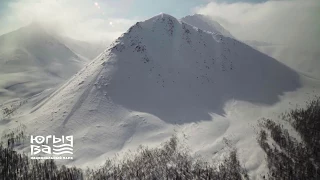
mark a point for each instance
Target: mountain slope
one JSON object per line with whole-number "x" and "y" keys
{"x": 88, "y": 50}
{"x": 302, "y": 59}
{"x": 160, "y": 76}
{"x": 207, "y": 24}
{"x": 32, "y": 60}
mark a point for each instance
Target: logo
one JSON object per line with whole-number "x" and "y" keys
{"x": 51, "y": 147}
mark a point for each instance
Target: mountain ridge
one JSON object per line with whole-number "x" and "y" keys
{"x": 33, "y": 60}
{"x": 207, "y": 24}
{"x": 162, "y": 75}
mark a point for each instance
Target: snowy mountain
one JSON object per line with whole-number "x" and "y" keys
{"x": 87, "y": 50}
{"x": 32, "y": 60}
{"x": 164, "y": 76}
{"x": 301, "y": 59}
{"x": 207, "y": 24}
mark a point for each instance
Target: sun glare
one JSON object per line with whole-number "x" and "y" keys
{"x": 97, "y": 5}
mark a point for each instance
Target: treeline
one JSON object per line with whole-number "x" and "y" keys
{"x": 166, "y": 162}
{"x": 287, "y": 158}
{"x": 169, "y": 162}
{"x": 17, "y": 166}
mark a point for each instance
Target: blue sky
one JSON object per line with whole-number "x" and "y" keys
{"x": 178, "y": 8}
{"x": 3, "y": 7}
{"x": 265, "y": 20}
{"x": 114, "y": 15}
{"x": 292, "y": 22}
{"x": 141, "y": 8}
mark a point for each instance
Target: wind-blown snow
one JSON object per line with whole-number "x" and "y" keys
{"x": 87, "y": 50}
{"x": 207, "y": 24}
{"x": 164, "y": 76}
{"x": 301, "y": 59}
{"x": 32, "y": 60}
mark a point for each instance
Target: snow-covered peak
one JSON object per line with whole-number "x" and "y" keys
{"x": 32, "y": 60}
{"x": 159, "y": 20}
{"x": 165, "y": 15}
{"x": 166, "y": 24}
{"x": 35, "y": 25}
{"x": 207, "y": 24}
{"x": 161, "y": 16}
{"x": 161, "y": 73}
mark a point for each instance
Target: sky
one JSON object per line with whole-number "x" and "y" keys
{"x": 275, "y": 21}
{"x": 93, "y": 19}
{"x": 292, "y": 24}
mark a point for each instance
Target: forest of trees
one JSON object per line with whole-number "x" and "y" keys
{"x": 166, "y": 162}
{"x": 287, "y": 158}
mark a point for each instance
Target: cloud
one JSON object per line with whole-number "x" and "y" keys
{"x": 84, "y": 20}
{"x": 293, "y": 24}
{"x": 276, "y": 21}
